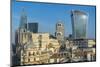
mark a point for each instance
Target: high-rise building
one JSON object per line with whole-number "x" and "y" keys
{"x": 23, "y": 21}
{"x": 59, "y": 31}
{"x": 32, "y": 27}
{"x": 22, "y": 27}
{"x": 79, "y": 24}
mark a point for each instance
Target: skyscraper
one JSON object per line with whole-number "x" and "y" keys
{"x": 59, "y": 30}
{"x": 23, "y": 21}
{"x": 32, "y": 27}
{"x": 79, "y": 24}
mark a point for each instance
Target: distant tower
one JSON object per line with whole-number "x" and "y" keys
{"x": 59, "y": 31}
{"x": 23, "y": 21}
{"x": 22, "y": 28}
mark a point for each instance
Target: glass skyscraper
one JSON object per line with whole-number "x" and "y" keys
{"x": 23, "y": 20}
{"x": 79, "y": 24}
{"x": 32, "y": 27}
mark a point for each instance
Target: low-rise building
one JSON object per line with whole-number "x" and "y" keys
{"x": 36, "y": 48}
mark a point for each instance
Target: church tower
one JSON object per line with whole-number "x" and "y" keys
{"x": 59, "y": 31}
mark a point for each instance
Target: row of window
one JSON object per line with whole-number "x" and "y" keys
{"x": 33, "y": 53}
{"x": 35, "y": 59}
{"x": 59, "y": 24}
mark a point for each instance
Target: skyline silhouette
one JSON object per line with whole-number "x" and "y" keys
{"x": 47, "y": 15}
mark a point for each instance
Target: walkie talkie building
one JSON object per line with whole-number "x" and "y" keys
{"x": 79, "y": 24}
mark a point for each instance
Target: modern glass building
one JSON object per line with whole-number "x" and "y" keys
{"x": 32, "y": 27}
{"x": 79, "y": 24}
{"x": 23, "y": 19}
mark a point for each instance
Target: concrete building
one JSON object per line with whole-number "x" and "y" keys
{"x": 54, "y": 46}
{"x": 35, "y": 48}
{"x": 91, "y": 43}
{"x": 32, "y": 55}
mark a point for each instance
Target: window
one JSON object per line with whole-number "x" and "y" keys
{"x": 37, "y": 53}
{"x": 33, "y": 53}
{"x": 34, "y": 59}
{"x": 59, "y": 24}
{"x": 29, "y": 54}
{"x": 28, "y": 60}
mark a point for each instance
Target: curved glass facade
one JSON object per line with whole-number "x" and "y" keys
{"x": 79, "y": 24}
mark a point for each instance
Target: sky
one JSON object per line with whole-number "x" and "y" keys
{"x": 47, "y": 15}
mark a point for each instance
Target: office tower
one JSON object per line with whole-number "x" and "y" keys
{"x": 79, "y": 24}
{"x": 23, "y": 21}
{"x": 59, "y": 31}
{"x": 32, "y": 27}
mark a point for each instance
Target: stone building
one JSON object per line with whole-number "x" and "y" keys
{"x": 59, "y": 30}
{"x": 35, "y": 48}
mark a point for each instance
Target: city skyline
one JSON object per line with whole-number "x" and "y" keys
{"x": 51, "y": 33}
{"x": 51, "y": 13}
